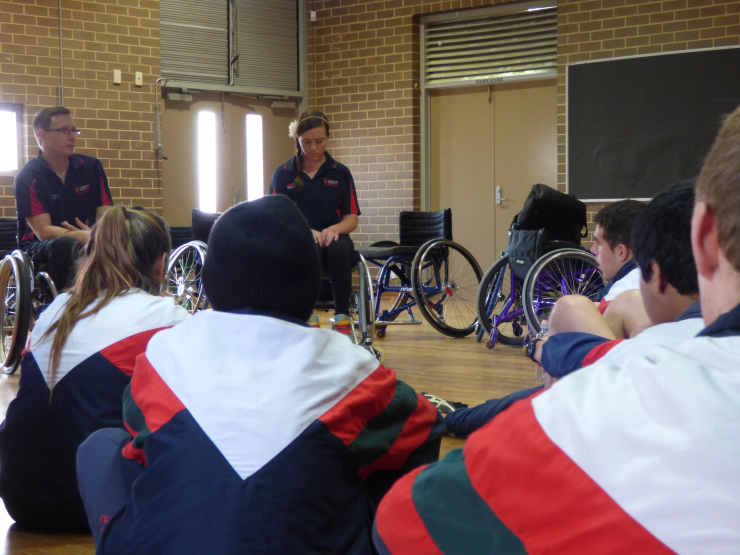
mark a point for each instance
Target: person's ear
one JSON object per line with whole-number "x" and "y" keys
{"x": 623, "y": 253}
{"x": 658, "y": 277}
{"x": 705, "y": 240}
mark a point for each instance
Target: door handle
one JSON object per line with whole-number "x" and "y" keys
{"x": 499, "y": 198}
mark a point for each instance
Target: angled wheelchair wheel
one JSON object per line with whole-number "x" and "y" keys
{"x": 362, "y": 305}
{"x": 445, "y": 279}
{"x": 499, "y": 305}
{"x": 15, "y": 293}
{"x": 183, "y": 278}
{"x": 556, "y": 274}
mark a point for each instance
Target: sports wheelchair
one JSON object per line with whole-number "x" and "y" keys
{"x": 184, "y": 272}
{"x": 427, "y": 268}
{"x": 24, "y": 290}
{"x": 544, "y": 261}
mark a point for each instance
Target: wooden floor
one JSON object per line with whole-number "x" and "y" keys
{"x": 454, "y": 369}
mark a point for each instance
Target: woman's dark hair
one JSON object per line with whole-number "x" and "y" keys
{"x": 307, "y": 120}
{"x": 662, "y": 233}
{"x": 123, "y": 249}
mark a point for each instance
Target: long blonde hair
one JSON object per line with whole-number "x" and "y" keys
{"x": 123, "y": 249}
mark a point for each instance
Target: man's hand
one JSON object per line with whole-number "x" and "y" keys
{"x": 80, "y": 233}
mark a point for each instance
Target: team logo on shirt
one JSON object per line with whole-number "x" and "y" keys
{"x": 82, "y": 189}
{"x": 331, "y": 183}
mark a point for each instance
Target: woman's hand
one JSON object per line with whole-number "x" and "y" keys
{"x": 316, "y": 236}
{"x": 327, "y": 236}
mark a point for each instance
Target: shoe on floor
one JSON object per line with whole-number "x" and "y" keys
{"x": 444, "y": 407}
{"x": 313, "y": 321}
{"x": 342, "y": 324}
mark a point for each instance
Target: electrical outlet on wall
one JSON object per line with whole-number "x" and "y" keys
{"x": 138, "y": 79}
{"x": 117, "y": 76}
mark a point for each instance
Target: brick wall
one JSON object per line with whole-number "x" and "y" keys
{"x": 597, "y": 29}
{"x": 116, "y": 120}
{"x": 364, "y": 64}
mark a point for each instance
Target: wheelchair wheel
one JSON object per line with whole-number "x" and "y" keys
{"x": 183, "y": 279}
{"x": 500, "y": 299}
{"x": 559, "y": 273}
{"x": 362, "y": 306}
{"x": 445, "y": 279}
{"x": 16, "y": 310}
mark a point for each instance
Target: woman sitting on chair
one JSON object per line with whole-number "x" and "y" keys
{"x": 81, "y": 358}
{"x": 325, "y": 193}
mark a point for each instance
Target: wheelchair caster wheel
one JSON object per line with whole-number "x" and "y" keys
{"x": 380, "y": 334}
{"x": 378, "y": 353}
{"x": 489, "y": 345}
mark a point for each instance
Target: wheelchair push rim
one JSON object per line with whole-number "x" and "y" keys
{"x": 16, "y": 310}
{"x": 499, "y": 305}
{"x": 445, "y": 279}
{"x": 559, "y": 273}
{"x": 183, "y": 278}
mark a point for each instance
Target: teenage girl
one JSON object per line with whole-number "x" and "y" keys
{"x": 325, "y": 193}
{"x": 82, "y": 355}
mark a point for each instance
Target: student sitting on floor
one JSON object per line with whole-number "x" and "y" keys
{"x": 662, "y": 250}
{"x": 254, "y": 433}
{"x": 640, "y": 457}
{"x": 82, "y": 356}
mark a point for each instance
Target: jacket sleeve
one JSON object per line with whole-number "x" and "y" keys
{"x": 30, "y": 197}
{"x": 349, "y": 203}
{"x": 387, "y": 427}
{"x": 566, "y": 352}
{"x": 106, "y": 199}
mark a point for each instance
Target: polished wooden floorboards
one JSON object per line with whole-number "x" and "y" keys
{"x": 454, "y": 369}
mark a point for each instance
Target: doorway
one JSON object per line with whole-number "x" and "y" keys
{"x": 180, "y": 184}
{"x": 482, "y": 139}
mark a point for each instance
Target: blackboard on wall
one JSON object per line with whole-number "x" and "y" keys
{"x": 636, "y": 125}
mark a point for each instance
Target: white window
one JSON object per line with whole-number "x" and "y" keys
{"x": 207, "y": 161}
{"x": 255, "y": 174}
{"x": 11, "y": 158}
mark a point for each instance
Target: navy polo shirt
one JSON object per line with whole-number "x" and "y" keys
{"x": 325, "y": 199}
{"x": 38, "y": 190}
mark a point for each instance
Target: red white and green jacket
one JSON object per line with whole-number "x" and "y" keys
{"x": 639, "y": 458}
{"x": 264, "y": 436}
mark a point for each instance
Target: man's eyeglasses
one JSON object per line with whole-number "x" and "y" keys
{"x": 66, "y": 130}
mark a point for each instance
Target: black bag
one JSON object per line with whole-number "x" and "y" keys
{"x": 563, "y": 215}
{"x": 525, "y": 248}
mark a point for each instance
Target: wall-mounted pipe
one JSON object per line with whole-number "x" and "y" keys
{"x": 157, "y": 120}
{"x": 61, "y": 59}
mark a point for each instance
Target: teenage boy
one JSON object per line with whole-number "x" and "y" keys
{"x": 639, "y": 457}
{"x": 252, "y": 432}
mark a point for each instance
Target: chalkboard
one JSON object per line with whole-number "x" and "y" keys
{"x": 638, "y": 124}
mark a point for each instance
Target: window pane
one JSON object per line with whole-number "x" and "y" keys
{"x": 8, "y": 142}
{"x": 255, "y": 175}
{"x": 207, "y": 161}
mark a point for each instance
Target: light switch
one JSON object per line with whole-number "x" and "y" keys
{"x": 139, "y": 79}
{"x": 117, "y": 76}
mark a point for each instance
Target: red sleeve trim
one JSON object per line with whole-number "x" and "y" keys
{"x": 602, "y": 306}
{"x": 372, "y": 396}
{"x": 353, "y": 205}
{"x": 414, "y": 433}
{"x": 398, "y": 522}
{"x": 106, "y": 199}
{"x": 36, "y": 207}
{"x": 123, "y": 353}
{"x": 155, "y": 399}
{"x": 599, "y": 351}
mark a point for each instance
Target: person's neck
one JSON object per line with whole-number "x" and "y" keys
{"x": 679, "y": 303}
{"x": 57, "y": 163}
{"x": 311, "y": 168}
{"x": 720, "y": 293}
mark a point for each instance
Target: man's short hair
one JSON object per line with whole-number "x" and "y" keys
{"x": 719, "y": 186}
{"x": 662, "y": 232}
{"x": 617, "y": 219}
{"x": 42, "y": 120}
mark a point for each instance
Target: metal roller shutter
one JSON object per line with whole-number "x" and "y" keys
{"x": 463, "y": 52}
{"x": 267, "y": 44}
{"x": 194, "y": 40}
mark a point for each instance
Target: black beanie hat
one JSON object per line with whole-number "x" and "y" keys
{"x": 262, "y": 255}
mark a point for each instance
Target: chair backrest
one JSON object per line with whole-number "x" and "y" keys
{"x": 202, "y": 224}
{"x": 416, "y": 228}
{"x": 180, "y": 235}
